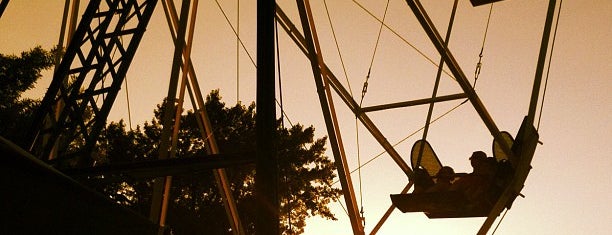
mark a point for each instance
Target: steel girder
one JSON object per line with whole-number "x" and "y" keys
{"x": 3, "y": 5}
{"x": 89, "y": 77}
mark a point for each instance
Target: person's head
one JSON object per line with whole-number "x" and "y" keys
{"x": 478, "y": 158}
{"x": 446, "y": 174}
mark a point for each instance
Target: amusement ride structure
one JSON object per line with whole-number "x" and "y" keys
{"x": 101, "y": 44}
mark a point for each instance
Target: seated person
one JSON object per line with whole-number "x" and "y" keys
{"x": 444, "y": 179}
{"x": 476, "y": 184}
{"x": 422, "y": 180}
{"x": 425, "y": 183}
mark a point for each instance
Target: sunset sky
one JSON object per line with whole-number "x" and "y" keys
{"x": 568, "y": 190}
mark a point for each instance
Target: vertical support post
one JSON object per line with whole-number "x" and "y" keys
{"x": 266, "y": 176}
{"x": 197, "y": 102}
{"x": 74, "y": 14}
{"x": 60, "y": 42}
{"x": 157, "y": 204}
{"x": 535, "y": 93}
{"x": 316, "y": 60}
{"x": 60, "y": 45}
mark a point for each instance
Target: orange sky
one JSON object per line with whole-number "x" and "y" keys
{"x": 568, "y": 189}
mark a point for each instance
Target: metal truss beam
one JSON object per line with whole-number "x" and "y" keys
{"x": 161, "y": 187}
{"x": 165, "y": 167}
{"x": 414, "y": 102}
{"x": 453, "y": 65}
{"x": 89, "y": 77}
{"x": 189, "y": 84}
{"x": 327, "y": 105}
{"x": 334, "y": 83}
{"x": 3, "y": 5}
{"x": 47, "y": 201}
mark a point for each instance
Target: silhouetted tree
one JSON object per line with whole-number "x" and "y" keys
{"x": 196, "y": 205}
{"x": 17, "y": 75}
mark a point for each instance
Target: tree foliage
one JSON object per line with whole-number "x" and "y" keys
{"x": 196, "y": 205}
{"x": 17, "y": 75}
{"x": 306, "y": 173}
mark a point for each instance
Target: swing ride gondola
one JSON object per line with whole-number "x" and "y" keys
{"x": 511, "y": 172}
{"x": 513, "y": 154}
{"x": 512, "y": 159}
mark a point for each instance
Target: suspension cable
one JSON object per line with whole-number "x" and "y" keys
{"x": 552, "y": 47}
{"x": 364, "y": 90}
{"x": 238, "y": 51}
{"x": 484, "y": 39}
{"x": 282, "y": 117}
{"x": 356, "y": 124}
{"x": 338, "y": 48}
{"x": 361, "y": 211}
{"x": 280, "y": 80}
{"x": 247, "y": 52}
{"x": 236, "y": 33}
{"x": 500, "y": 220}
{"x": 341, "y": 205}
{"x": 127, "y": 94}
{"x": 127, "y": 97}
{"x": 431, "y": 61}
{"x": 406, "y": 138}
